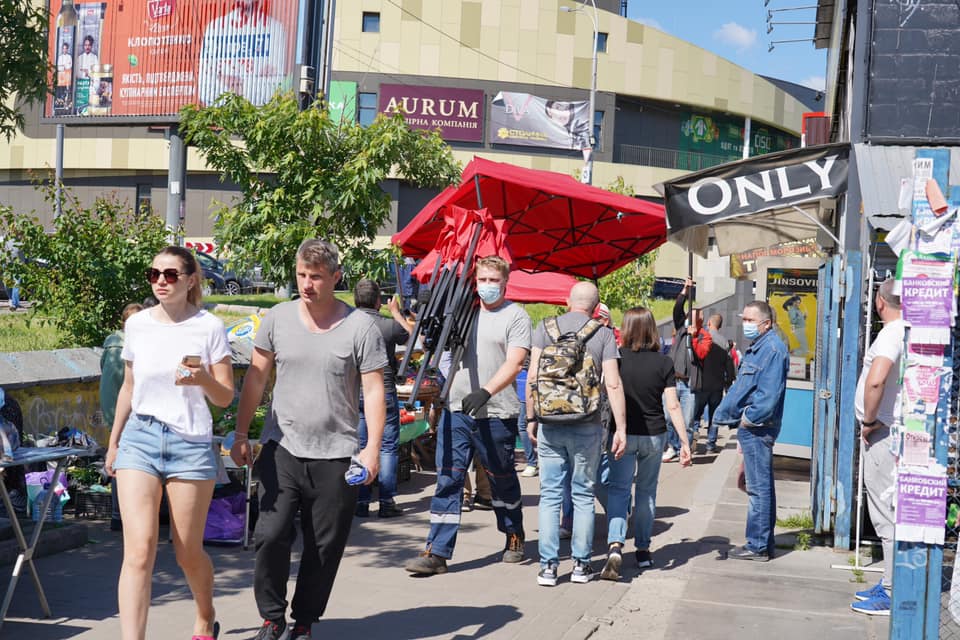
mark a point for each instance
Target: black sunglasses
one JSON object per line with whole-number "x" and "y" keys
{"x": 170, "y": 275}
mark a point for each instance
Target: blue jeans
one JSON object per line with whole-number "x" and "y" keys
{"x": 574, "y": 451}
{"x": 705, "y": 404}
{"x": 529, "y": 449}
{"x": 686, "y": 408}
{"x": 389, "y": 452}
{"x": 639, "y": 468}
{"x": 757, "y": 447}
{"x": 458, "y": 437}
{"x": 15, "y": 295}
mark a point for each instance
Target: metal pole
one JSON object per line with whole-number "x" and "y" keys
{"x": 587, "y": 176}
{"x": 331, "y": 12}
{"x": 746, "y": 137}
{"x": 176, "y": 185}
{"x": 58, "y": 172}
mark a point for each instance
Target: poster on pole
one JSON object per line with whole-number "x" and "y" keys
{"x": 927, "y": 296}
{"x": 921, "y": 504}
{"x": 143, "y": 60}
{"x": 792, "y": 293}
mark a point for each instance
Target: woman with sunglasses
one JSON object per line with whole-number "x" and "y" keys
{"x": 176, "y": 358}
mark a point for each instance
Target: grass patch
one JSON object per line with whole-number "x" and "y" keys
{"x": 802, "y": 520}
{"x": 857, "y": 573}
{"x": 263, "y": 300}
{"x": 24, "y": 331}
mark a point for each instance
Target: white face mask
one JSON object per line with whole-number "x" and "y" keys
{"x": 488, "y": 292}
{"x": 751, "y": 330}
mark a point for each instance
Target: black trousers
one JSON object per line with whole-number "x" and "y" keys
{"x": 316, "y": 489}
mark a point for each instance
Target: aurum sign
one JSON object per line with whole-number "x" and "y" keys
{"x": 758, "y": 184}
{"x": 458, "y": 113}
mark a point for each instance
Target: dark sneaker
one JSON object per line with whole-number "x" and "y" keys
{"x": 611, "y": 569}
{"x": 872, "y": 592}
{"x": 582, "y": 572}
{"x": 483, "y": 504}
{"x": 513, "y": 552}
{"x": 300, "y": 632}
{"x": 389, "y": 510}
{"x": 644, "y": 559}
{"x": 426, "y": 564}
{"x": 879, "y": 605}
{"x": 467, "y": 504}
{"x": 362, "y": 511}
{"x": 712, "y": 448}
{"x": 547, "y": 576}
{"x": 271, "y": 630}
{"x": 743, "y": 553}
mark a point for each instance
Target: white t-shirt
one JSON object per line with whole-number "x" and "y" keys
{"x": 156, "y": 349}
{"x": 888, "y": 344}
{"x": 84, "y": 62}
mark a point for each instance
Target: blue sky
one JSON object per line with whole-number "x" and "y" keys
{"x": 737, "y": 31}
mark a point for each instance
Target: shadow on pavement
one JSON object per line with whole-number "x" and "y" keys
{"x": 423, "y": 622}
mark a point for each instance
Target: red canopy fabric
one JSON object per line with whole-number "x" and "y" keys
{"x": 552, "y": 222}
{"x": 551, "y": 288}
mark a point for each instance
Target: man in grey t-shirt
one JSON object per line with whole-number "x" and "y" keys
{"x": 324, "y": 351}
{"x": 482, "y": 417}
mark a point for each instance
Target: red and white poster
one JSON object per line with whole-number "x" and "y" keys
{"x": 149, "y": 58}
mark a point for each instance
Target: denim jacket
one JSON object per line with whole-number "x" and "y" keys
{"x": 756, "y": 397}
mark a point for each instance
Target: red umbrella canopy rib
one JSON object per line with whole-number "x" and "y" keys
{"x": 552, "y": 222}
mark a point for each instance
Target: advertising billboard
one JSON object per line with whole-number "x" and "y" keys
{"x": 792, "y": 293}
{"x": 145, "y": 59}
{"x": 531, "y": 121}
{"x": 458, "y": 113}
{"x": 342, "y": 102}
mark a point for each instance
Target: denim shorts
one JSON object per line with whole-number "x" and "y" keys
{"x": 151, "y": 446}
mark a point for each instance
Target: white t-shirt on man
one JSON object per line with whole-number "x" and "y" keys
{"x": 156, "y": 349}
{"x": 888, "y": 344}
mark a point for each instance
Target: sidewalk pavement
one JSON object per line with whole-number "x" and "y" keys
{"x": 692, "y": 592}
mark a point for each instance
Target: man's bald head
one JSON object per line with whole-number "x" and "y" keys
{"x": 584, "y": 296}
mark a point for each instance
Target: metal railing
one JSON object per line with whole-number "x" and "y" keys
{"x": 667, "y": 158}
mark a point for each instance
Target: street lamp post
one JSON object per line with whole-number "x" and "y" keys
{"x": 586, "y": 176}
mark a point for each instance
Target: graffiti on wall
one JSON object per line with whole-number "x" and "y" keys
{"x": 49, "y": 408}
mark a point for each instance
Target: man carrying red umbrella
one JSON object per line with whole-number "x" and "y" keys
{"x": 481, "y": 417}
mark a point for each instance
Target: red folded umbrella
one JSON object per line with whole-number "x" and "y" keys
{"x": 551, "y": 222}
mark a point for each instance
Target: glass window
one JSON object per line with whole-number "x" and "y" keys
{"x": 367, "y": 112}
{"x": 601, "y": 42}
{"x": 144, "y": 199}
{"x": 371, "y": 22}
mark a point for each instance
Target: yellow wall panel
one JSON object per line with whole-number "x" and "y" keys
{"x": 665, "y": 72}
{"x": 490, "y": 14}
{"x": 508, "y": 71}
{"x": 430, "y": 59}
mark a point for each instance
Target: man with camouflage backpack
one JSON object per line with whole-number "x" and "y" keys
{"x": 569, "y": 355}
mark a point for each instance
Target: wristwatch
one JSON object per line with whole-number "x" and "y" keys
{"x": 869, "y": 424}
{"x": 529, "y": 420}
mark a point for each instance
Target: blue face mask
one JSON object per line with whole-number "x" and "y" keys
{"x": 489, "y": 293}
{"x": 751, "y": 330}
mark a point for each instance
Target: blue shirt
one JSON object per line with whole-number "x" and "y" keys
{"x": 756, "y": 397}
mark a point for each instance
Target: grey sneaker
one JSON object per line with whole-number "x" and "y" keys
{"x": 426, "y": 564}
{"x": 271, "y": 630}
{"x": 513, "y": 552}
{"x": 611, "y": 569}
{"x": 582, "y": 572}
{"x": 547, "y": 576}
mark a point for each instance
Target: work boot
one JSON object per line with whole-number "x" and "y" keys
{"x": 426, "y": 564}
{"x": 513, "y": 552}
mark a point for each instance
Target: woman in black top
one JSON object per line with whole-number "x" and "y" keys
{"x": 648, "y": 385}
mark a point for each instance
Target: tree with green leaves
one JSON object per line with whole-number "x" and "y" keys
{"x": 82, "y": 274}
{"x": 630, "y": 285}
{"x": 24, "y": 73}
{"x": 301, "y": 175}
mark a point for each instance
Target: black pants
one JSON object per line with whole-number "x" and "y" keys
{"x": 326, "y": 503}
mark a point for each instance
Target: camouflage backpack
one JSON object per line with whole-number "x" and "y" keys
{"x": 567, "y": 389}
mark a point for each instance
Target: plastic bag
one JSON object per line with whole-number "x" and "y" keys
{"x": 36, "y": 481}
{"x": 9, "y": 440}
{"x": 225, "y": 519}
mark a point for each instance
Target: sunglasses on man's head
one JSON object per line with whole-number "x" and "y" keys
{"x": 170, "y": 275}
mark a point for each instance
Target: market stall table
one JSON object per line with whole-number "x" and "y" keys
{"x": 24, "y": 456}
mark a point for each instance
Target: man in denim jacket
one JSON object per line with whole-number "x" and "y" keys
{"x": 755, "y": 404}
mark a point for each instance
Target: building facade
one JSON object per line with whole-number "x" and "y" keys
{"x": 663, "y": 106}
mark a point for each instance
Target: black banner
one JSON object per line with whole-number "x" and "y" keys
{"x": 758, "y": 184}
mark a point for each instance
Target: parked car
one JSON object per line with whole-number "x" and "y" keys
{"x": 220, "y": 278}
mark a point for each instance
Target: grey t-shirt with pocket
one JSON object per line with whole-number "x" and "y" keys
{"x": 315, "y": 408}
{"x": 497, "y": 331}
